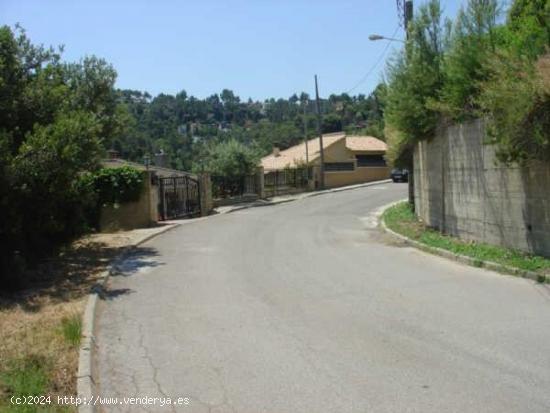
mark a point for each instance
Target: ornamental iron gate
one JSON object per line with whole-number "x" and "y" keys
{"x": 179, "y": 197}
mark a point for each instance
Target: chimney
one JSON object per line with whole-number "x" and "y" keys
{"x": 276, "y": 151}
{"x": 161, "y": 159}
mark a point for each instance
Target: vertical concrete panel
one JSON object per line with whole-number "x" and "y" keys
{"x": 461, "y": 188}
{"x": 260, "y": 186}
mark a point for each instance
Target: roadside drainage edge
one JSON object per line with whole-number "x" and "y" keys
{"x": 85, "y": 382}
{"x": 473, "y": 262}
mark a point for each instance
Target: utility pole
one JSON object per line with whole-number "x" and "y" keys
{"x": 320, "y": 132}
{"x": 305, "y": 131}
{"x": 408, "y": 15}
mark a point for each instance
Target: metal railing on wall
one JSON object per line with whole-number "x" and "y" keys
{"x": 288, "y": 180}
{"x": 233, "y": 186}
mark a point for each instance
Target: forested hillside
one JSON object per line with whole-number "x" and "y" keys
{"x": 187, "y": 128}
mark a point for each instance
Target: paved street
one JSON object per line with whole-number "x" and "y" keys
{"x": 306, "y": 307}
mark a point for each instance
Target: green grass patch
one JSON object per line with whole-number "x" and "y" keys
{"x": 401, "y": 219}
{"x": 71, "y": 328}
{"x": 24, "y": 377}
{"x": 28, "y": 376}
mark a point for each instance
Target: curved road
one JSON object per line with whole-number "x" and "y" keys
{"x": 306, "y": 307}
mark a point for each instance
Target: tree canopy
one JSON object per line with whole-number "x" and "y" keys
{"x": 55, "y": 119}
{"x": 473, "y": 67}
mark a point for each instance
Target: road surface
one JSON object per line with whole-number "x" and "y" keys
{"x": 307, "y": 307}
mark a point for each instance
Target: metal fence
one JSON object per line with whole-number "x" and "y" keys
{"x": 233, "y": 186}
{"x": 179, "y": 196}
{"x": 286, "y": 181}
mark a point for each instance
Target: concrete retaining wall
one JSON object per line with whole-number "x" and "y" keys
{"x": 462, "y": 190}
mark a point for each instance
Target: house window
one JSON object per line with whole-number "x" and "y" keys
{"x": 370, "y": 160}
{"x": 339, "y": 166}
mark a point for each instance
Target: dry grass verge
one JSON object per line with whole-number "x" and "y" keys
{"x": 40, "y": 327}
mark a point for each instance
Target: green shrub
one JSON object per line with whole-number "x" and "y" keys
{"x": 43, "y": 206}
{"x": 113, "y": 186}
{"x": 55, "y": 118}
{"x": 476, "y": 69}
{"x": 470, "y": 45}
{"x": 415, "y": 79}
{"x": 515, "y": 98}
{"x": 109, "y": 186}
{"x": 528, "y": 27}
{"x": 231, "y": 159}
{"x": 516, "y": 101}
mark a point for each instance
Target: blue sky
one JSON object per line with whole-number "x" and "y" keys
{"x": 257, "y": 48}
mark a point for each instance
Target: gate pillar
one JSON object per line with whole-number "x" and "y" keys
{"x": 260, "y": 190}
{"x": 205, "y": 187}
{"x": 152, "y": 193}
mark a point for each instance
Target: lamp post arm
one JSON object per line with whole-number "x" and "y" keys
{"x": 375, "y": 37}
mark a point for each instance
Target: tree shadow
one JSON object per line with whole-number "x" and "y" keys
{"x": 73, "y": 273}
{"x": 136, "y": 261}
{"x": 108, "y": 294}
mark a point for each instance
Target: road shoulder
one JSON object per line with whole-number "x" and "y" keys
{"x": 86, "y": 383}
{"x": 464, "y": 259}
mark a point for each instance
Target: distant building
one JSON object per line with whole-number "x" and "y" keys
{"x": 348, "y": 159}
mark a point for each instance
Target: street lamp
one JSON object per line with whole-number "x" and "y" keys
{"x": 374, "y": 37}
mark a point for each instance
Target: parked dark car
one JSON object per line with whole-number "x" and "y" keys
{"x": 400, "y": 175}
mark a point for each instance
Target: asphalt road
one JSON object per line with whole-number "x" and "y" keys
{"x": 305, "y": 307}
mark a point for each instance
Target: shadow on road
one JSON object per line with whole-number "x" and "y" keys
{"x": 138, "y": 260}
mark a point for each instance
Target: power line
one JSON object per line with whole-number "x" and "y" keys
{"x": 375, "y": 64}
